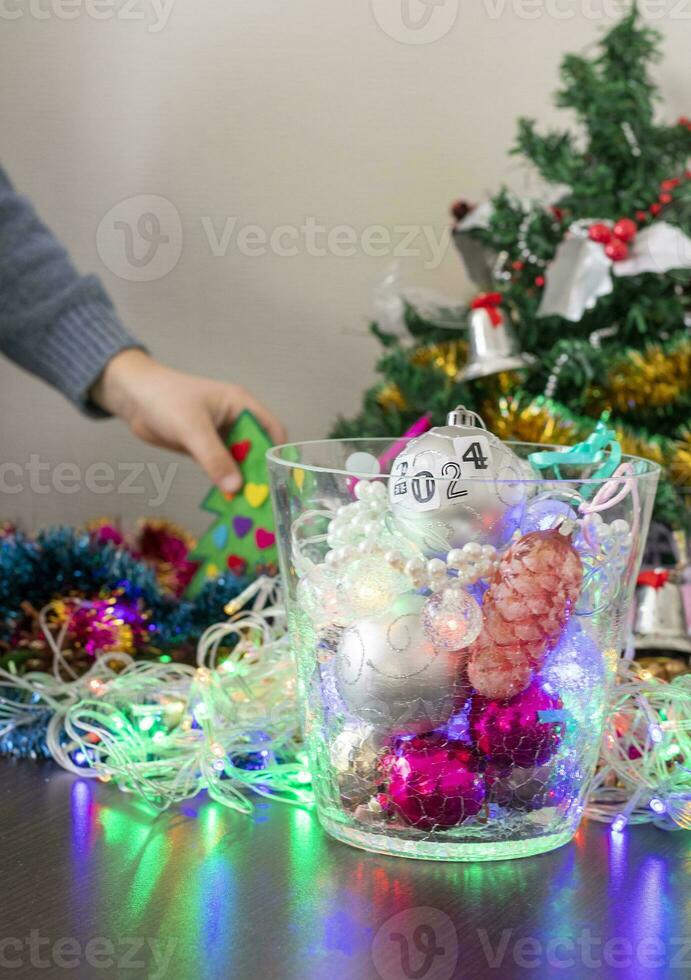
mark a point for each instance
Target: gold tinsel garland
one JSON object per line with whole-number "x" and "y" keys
{"x": 654, "y": 378}
{"x": 447, "y": 356}
{"x": 680, "y": 464}
{"x": 636, "y": 445}
{"x": 538, "y": 420}
{"x": 391, "y": 397}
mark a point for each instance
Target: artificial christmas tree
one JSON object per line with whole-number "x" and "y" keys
{"x": 242, "y": 538}
{"x": 594, "y": 281}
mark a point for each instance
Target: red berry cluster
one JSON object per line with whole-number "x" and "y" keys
{"x": 616, "y": 240}
{"x": 665, "y": 197}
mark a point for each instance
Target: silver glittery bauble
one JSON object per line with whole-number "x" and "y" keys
{"x": 391, "y": 675}
{"x": 354, "y": 757}
{"x": 454, "y": 484}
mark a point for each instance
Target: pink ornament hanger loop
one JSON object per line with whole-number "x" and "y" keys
{"x": 617, "y": 488}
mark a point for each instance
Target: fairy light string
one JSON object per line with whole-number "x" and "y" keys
{"x": 644, "y": 772}
{"x": 167, "y": 731}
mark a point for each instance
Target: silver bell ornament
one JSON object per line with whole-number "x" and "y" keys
{"x": 660, "y": 617}
{"x": 457, "y": 483}
{"x": 391, "y": 675}
{"x": 493, "y": 344}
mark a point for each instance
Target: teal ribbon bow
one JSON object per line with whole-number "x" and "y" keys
{"x": 601, "y": 447}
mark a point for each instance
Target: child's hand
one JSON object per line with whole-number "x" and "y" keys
{"x": 179, "y": 411}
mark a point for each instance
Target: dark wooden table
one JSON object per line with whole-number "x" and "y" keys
{"x": 93, "y": 885}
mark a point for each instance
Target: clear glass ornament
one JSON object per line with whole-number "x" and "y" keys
{"x": 452, "y": 619}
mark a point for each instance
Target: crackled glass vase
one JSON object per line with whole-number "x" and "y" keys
{"x": 456, "y": 606}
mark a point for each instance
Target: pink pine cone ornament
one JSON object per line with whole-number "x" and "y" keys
{"x": 525, "y": 608}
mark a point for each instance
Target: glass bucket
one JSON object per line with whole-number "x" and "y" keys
{"x": 456, "y": 636}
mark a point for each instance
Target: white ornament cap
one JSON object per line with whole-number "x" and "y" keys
{"x": 463, "y": 416}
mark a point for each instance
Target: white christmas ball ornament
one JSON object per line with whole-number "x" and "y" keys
{"x": 455, "y": 483}
{"x": 393, "y": 677}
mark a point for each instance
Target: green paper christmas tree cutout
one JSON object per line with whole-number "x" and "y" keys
{"x": 241, "y": 539}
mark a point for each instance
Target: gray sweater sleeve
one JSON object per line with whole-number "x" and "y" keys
{"x": 53, "y": 322}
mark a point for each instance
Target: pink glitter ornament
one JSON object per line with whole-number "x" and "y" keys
{"x": 103, "y": 533}
{"x": 434, "y": 782}
{"x": 515, "y": 732}
{"x": 101, "y": 625}
{"x": 167, "y": 548}
{"x": 525, "y": 608}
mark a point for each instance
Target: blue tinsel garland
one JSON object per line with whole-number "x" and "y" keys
{"x": 62, "y": 561}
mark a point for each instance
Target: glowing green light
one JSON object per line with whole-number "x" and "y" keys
{"x": 165, "y": 658}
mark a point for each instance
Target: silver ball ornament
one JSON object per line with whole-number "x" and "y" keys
{"x": 392, "y": 676}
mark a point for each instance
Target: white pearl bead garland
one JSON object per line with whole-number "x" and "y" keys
{"x": 356, "y": 527}
{"x": 613, "y": 540}
{"x": 472, "y": 562}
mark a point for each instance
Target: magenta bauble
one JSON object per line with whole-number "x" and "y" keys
{"x": 524, "y": 731}
{"x": 434, "y": 782}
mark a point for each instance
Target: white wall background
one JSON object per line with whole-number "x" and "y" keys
{"x": 270, "y": 112}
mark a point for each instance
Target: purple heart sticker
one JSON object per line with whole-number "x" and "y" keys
{"x": 242, "y": 525}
